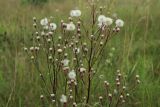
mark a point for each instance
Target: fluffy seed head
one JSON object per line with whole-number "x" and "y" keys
{"x": 75, "y": 13}
{"x": 65, "y": 62}
{"x": 72, "y": 75}
{"x": 53, "y": 26}
{"x": 70, "y": 26}
{"x": 119, "y": 23}
{"x": 101, "y": 19}
{"x": 44, "y": 22}
{"x": 63, "y": 99}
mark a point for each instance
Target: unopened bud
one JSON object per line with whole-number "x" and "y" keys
{"x": 101, "y": 43}
{"x": 100, "y": 97}
{"x": 59, "y": 51}
{"x": 41, "y": 96}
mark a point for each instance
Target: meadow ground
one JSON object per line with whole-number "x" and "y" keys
{"x": 137, "y": 48}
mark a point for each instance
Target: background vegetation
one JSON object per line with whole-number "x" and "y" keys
{"x": 137, "y": 48}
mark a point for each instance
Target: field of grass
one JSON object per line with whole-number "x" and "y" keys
{"x": 137, "y": 48}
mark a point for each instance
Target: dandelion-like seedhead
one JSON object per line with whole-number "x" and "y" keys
{"x": 119, "y": 23}
{"x": 63, "y": 99}
{"x": 75, "y": 13}
{"x": 72, "y": 75}
{"x": 71, "y": 52}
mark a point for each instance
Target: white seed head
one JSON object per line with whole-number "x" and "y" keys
{"x": 101, "y": 19}
{"x": 65, "y": 62}
{"x": 119, "y": 23}
{"x": 104, "y": 21}
{"x": 72, "y": 75}
{"x": 53, "y": 26}
{"x": 76, "y": 50}
{"x": 109, "y": 21}
{"x": 82, "y": 69}
{"x": 63, "y": 99}
{"x": 70, "y": 26}
{"x": 44, "y": 22}
{"x": 75, "y": 13}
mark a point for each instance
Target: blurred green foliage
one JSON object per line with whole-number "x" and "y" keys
{"x": 34, "y": 2}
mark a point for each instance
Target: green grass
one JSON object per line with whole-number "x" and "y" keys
{"x": 137, "y": 49}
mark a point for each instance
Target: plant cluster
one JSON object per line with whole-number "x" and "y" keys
{"x": 67, "y": 55}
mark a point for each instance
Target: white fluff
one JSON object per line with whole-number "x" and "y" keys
{"x": 44, "y": 22}
{"x": 53, "y": 26}
{"x": 109, "y": 21}
{"x": 72, "y": 75}
{"x": 101, "y": 19}
{"x": 65, "y": 62}
{"x": 70, "y": 26}
{"x": 104, "y": 21}
{"x": 63, "y": 99}
{"x": 75, "y": 13}
{"x": 119, "y": 23}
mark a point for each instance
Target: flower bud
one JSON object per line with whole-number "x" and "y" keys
{"x": 34, "y": 25}
{"x": 50, "y": 49}
{"x": 49, "y": 40}
{"x": 34, "y": 19}
{"x": 32, "y": 57}
{"x": 59, "y": 51}
{"x": 110, "y": 96}
{"x": 100, "y": 98}
{"x": 25, "y": 49}
{"x": 38, "y": 38}
{"x": 74, "y": 104}
{"x": 101, "y": 43}
{"x": 31, "y": 49}
{"x": 137, "y": 76}
{"x": 42, "y": 97}
{"x": 37, "y": 33}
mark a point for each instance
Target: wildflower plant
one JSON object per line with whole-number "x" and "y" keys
{"x": 70, "y": 53}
